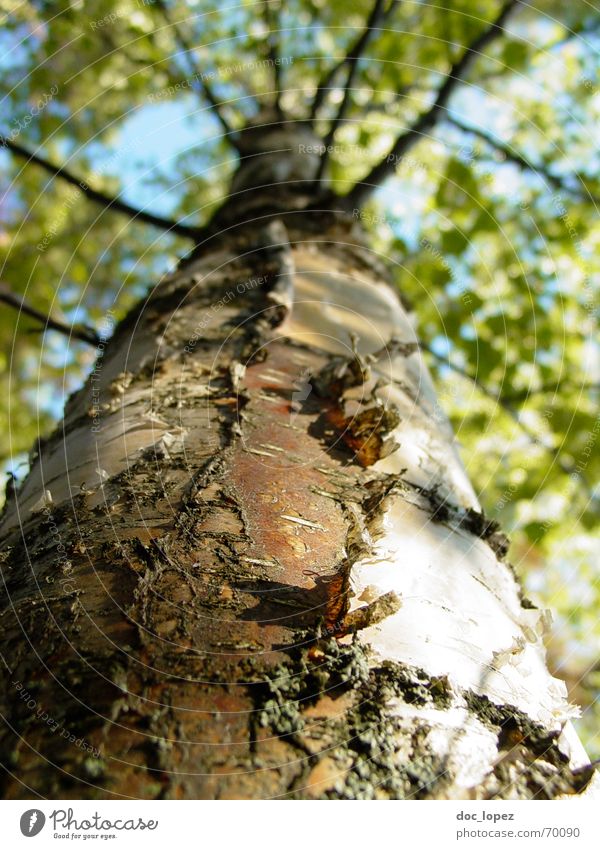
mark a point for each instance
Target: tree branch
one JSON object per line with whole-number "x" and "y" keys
{"x": 551, "y": 387}
{"x": 377, "y": 15}
{"x": 522, "y": 162}
{"x": 570, "y": 35}
{"x": 274, "y": 53}
{"x": 187, "y": 47}
{"x": 351, "y": 58}
{"x": 99, "y": 197}
{"x": 74, "y": 331}
{"x": 387, "y": 107}
{"x": 427, "y": 120}
{"x": 567, "y": 468}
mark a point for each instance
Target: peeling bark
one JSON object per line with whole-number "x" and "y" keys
{"x": 248, "y": 564}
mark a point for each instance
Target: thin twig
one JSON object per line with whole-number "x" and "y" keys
{"x": 512, "y": 155}
{"x": 552, "y": 387}
{"x": 74, "y": 331}
{"x": 387, "y": 106}
{"x": 352, "y": 56}
{"x": 187, "y": 47}
{"x": 99, "y": 197}
{"x": 576, "y": 33}
{"x": 427, "y": 120}
{"x": 567, "y": 468}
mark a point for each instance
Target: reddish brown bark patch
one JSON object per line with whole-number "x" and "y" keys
{"x": 276, "y": 470}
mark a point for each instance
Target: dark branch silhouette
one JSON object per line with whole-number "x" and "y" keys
{"x": 512, "y": 155}
{"x": 74, "y": 331}
{"x": 428, "y": 119}
{"x": 99, "y": 197}
{"x": 272, "y": 24}
{"x": 187, "y": 47}
{"x": 352, "y": 56}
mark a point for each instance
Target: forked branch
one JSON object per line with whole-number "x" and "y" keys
{"x": 376, "y": 17}
{"x": 428, "y": 119}
{"x": 186, "y": 46}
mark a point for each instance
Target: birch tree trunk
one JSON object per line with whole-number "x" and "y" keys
{"x": 249, "y": 564}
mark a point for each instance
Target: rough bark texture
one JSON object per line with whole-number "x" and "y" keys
{"x": 248, "y": 564}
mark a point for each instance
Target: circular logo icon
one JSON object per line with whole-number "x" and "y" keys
{"x": 32, "y": 822}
